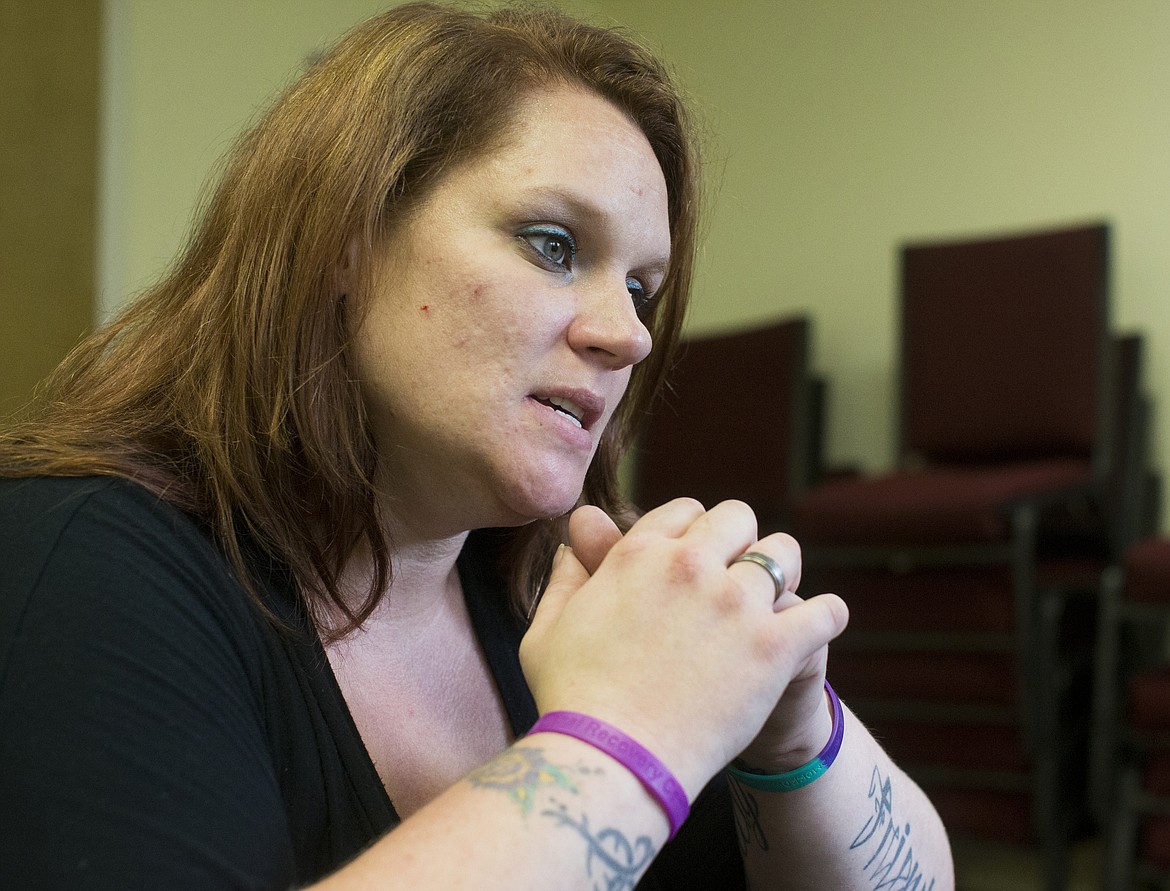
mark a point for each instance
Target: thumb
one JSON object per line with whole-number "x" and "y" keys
{"x": 805, "y": 627}
{"x": 566, "y": 577}
{"x": 592, "y": 533}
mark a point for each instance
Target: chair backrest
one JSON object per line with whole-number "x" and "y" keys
{"x": 734, "y": 423}
{"x": 1004, "y": 346}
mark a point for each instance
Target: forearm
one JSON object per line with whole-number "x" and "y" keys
{"x": 861, "y": 825}
{"x": 549, "y": 812}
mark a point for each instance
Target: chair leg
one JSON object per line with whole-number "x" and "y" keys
{"x": 1051, "y": 798}
{"x": 1121, "y": 839}
{"x": 1103, "y": 743}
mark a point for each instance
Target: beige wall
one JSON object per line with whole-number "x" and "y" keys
{"x": 48, "y": 171}
{"x": 836, "y": 130}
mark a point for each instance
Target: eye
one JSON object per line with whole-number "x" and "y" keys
{"x": 553, "y": 245}
{"x": 643, "y": 299}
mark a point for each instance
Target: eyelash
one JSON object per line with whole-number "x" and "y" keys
{"x": 643, "y": 302}
{"x": 552, "y": 233}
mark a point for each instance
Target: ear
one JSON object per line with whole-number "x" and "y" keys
{"x": 346, "y": 271}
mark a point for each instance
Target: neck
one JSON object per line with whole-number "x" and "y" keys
{"x": 423, "y": 578}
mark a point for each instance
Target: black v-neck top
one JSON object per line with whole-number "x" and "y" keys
{"x": 156, "y": 731}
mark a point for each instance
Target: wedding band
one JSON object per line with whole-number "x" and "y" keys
{"x": 772, "y": 567}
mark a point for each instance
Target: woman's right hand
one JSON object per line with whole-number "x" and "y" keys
{"x": 659, "y": 634}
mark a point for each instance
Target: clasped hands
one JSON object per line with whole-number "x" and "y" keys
{"x": 660, "y": 634}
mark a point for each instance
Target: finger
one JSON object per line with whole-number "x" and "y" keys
{"x": 785, "y": 550}
{"x": 566, "y": 577}
{"x": 591, "y": 534}
{"x": 728, "y": 529}
{"x": 672, "y": 519}
{"x": 809, "y": 625}
{"x": 785, "y": 553}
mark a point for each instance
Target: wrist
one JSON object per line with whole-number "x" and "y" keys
{"x": 639, "y": 761}
{"x": 807, "y": 773}
{"x": 796, "y": 751}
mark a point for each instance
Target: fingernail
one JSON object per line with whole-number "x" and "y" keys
{"x": 559, "y": 555}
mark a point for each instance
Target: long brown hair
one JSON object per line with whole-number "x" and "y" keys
{"x": 227, "y": 389}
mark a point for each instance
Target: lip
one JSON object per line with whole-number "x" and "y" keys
{"x": 591, "y": 405}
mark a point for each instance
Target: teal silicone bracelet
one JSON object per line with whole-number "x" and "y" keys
{"x": 802, "y": 776}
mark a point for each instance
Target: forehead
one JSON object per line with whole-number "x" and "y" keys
{"x": 573, "y": 143}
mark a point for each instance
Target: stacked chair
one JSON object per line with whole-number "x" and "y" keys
{"x": 1132, "y": 719}
{"x": 741, "y": 419}
{"x": 971, "y": 570}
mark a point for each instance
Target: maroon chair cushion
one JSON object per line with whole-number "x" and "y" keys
{"x": 985, "y": 813}
{"x": 1149, "y": 699}
{"x": 1002, "y": 342}
{"x": 1155, "y": 841}
{"x": 952, "y": 599}
{"x": 930, "y": 506}
{"x": 978, "y": 746}
{"x": 939, "y": 677}
{"x": 1147, "y": 571}
{"x": 1156, "y": 779}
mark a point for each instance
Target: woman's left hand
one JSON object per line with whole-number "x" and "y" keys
{"x": 801, "y": 723}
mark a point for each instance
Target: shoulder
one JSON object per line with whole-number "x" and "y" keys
{"x": 102, "y": 517}
{"x": 131, "y": 695}
{"x": 45, "y": 513}
{"x": 108, "y": 556}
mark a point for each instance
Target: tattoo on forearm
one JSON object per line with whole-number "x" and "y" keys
{"x": 748, "y": 830}
{"x": 520, "y": 772}
{"x": 892, "y": 865}
{"x": 611, "y": 860}
{"x": 617, "y": 862}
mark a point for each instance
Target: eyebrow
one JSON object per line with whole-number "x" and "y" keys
{"x": 579, "y": 208}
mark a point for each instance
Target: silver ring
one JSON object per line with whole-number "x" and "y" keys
{"x": 769, "y": 564}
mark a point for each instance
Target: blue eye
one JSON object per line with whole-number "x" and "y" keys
{"x": 643, "y": 300}
{"x": 554, "y": 245}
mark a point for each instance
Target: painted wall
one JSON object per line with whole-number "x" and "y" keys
{"x": 835, "y": 131}
{"x": 49, "y": 58}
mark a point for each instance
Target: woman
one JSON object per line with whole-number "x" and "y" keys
{"x": 259, "y": 534}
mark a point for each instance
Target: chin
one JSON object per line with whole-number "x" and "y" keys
{"x": 541, "y": 505}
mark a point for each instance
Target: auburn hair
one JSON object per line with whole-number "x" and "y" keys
{"x": 228, "y": 388}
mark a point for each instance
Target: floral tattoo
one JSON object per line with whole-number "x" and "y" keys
{"x": 520, "y": 772}
{"x": 612, "y": 861}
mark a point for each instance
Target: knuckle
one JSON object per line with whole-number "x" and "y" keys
{"x": 688, "y": 564}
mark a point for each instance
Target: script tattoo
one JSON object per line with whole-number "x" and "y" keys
{"x": 611, "y": 860}
{"x": 617, "y": 862}
{"x": 891, "y": 865}
{"x": 746, "y": 809}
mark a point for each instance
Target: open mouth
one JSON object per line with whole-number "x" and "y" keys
{"x": 565, "y": 407}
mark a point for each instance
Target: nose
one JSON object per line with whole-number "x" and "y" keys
{"x": 607, "y": 326}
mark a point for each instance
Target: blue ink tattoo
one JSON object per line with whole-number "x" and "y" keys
{"x": 888, "y": 868}
{"x": 746, "y": 810}
{"x": 617, "y": 862}
{"x": 611, "y": 860}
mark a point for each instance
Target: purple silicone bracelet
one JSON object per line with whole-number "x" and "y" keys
{"x": 651, "y": 772}
{"x": 802, "y": 776}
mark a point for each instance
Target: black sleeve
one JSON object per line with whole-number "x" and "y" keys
{"x": 132, "y": 743}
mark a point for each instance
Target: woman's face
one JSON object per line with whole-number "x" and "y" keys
{"x": 505, "y": 318}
